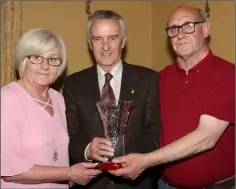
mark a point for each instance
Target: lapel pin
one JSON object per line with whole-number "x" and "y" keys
{"x": 132, "y": 91}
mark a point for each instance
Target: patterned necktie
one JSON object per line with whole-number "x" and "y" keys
{"x": 107, "y": 93}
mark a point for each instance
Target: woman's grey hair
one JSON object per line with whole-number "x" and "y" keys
{"x": 105, "y": 14}
{"x": 36, "y": 42}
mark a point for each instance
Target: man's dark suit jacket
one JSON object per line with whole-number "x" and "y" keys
{"x": 81, "y": 93}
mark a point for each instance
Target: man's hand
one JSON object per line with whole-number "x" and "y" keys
{"x": 100, "y": 149}
{"x": 83, "y": 173}
{"x": 133, "y": 165}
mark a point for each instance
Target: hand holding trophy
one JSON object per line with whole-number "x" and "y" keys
{"x": 114, "y": 115}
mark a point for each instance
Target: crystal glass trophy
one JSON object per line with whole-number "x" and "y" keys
{"x": 114, "y": 116}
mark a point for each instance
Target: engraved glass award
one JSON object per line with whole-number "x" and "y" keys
{"x": 114, "y": 116}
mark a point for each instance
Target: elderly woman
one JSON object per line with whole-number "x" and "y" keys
{"x": 34, "y": 139}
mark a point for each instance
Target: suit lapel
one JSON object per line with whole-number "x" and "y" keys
{"x": 128, "y": 82}
{"x": 93, "y": 92}
{"x": 92, "y": 95}
{"x": 127, "y": 92}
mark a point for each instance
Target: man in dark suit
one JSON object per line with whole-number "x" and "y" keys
{"x": 82, "y": 90}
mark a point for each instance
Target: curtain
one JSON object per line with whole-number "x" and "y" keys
{"x": 11, "y": 19}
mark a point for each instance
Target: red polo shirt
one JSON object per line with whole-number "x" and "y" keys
{"x": 208, "y": 88}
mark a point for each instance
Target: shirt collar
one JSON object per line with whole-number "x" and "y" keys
{"x": 116, "y": 72}
{"x": 204, "y": 62}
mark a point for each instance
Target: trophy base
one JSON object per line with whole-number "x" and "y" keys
{"x": 109, "y": 166}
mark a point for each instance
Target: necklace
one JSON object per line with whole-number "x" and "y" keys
{"x": 55, "y": 154}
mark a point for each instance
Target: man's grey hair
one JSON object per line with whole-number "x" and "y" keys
{"x": 201, "y": 16}
{"x": 105, "y": 14}
{"x": 35, "y": 42}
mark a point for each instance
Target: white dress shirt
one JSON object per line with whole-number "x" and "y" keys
{"x": 115, "y": 82}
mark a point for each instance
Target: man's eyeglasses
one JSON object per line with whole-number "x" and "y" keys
{"x": 35, "y": 59}
{"x": 187, "y": 28}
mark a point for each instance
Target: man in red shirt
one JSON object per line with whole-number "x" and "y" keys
{"x": 197, "y": 101}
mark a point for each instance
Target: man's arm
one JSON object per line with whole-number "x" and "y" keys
{"x": 76, "y": 144}
{"x": 80, "y": 147}
{"x": 152, "y": 118}
{"x": 203, "y": 138}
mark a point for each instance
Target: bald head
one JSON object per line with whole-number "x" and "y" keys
{"x": 186, "y": 11}
{"x": 187, "y": 31}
